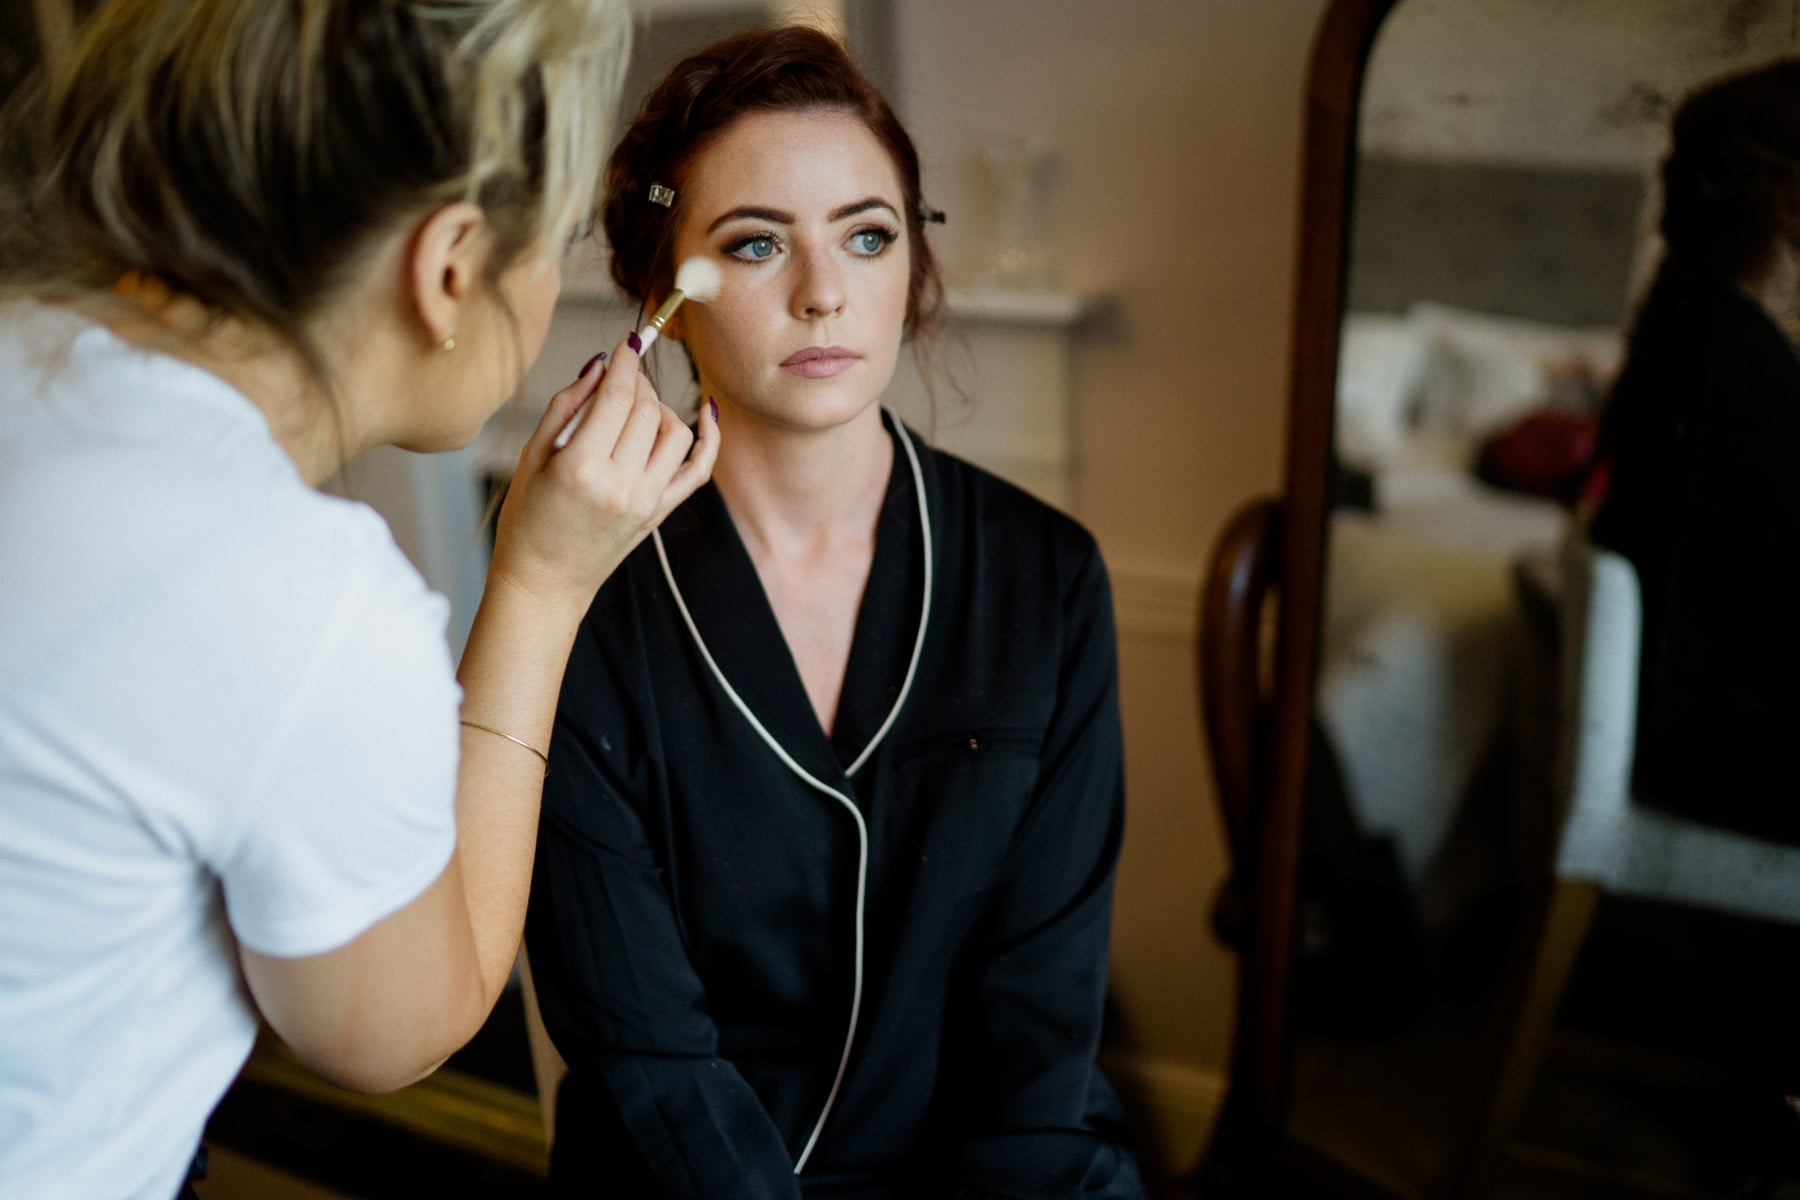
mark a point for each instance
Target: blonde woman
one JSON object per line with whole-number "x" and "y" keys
{"x": 243, "y": 243}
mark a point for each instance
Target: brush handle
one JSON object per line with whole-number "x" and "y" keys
{"x": 653, "y": 327}
{"x": 646, "y": 338}
{"x": 568, "y": 431}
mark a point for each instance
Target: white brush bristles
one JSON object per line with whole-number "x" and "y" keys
{"x": 698, "y": 279}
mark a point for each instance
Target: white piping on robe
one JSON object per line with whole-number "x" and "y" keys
{"x": 862, "y": 828}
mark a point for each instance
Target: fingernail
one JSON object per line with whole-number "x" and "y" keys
{"x": 713, "y": 405}
{"x": 598, "y": 358}
{"x": 631, "y": 339}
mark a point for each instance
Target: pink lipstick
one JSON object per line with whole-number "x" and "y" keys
{"x": 820, "y": 362}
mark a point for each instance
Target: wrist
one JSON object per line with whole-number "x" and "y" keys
{"x": 520, "y": 641}
{"x": 547, "y": 595}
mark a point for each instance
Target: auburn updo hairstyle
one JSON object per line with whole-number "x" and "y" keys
{"x": 1734, "y": 161}
{"x": 786, "y": 68}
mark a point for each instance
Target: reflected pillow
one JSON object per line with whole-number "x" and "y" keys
{"x": 1381, "y": 361}
{"x": 1484, "y": 372}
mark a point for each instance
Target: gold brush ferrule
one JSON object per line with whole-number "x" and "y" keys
{"x": 666, "y": 310}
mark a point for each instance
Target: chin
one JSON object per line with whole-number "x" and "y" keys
{"x": 819, "y": 417}
{"x": 812, "y": 406}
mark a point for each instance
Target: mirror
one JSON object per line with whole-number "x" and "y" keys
{"x": 1481, "y": 217}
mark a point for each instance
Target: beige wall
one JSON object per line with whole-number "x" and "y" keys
{"x": 1177, "y": 125}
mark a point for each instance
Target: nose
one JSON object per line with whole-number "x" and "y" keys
{"x": 819, "y": 290}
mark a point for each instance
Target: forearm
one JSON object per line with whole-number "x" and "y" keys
{"x": 653, "y": 1107}
{"x": 406, "y": 992}
{"x": 571, "y": 517}
{"x": 669, "y": 1127}
{"x": 511, "y": 674}
{"x": 1039, "y": 1120}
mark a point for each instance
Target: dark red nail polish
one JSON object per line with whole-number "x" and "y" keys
{"x": 714, "y": 406}
{"x": 632, "y": 340}
{"x": 589, "y": 365}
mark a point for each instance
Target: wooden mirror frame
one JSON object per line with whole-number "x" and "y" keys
{"x": 1259, "y": 743}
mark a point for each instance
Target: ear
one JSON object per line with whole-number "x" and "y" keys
{"x": 444, "y": 267}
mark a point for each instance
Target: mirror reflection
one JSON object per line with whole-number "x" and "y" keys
{"x": 1494, "y": 992}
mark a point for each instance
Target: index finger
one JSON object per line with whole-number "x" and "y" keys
{"x": 611, "y": 402}
{"x": 698, "y": 467}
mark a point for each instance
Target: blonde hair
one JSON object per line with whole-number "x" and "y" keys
{"x": 245, "y": 151}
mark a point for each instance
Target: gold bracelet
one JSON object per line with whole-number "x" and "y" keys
{"x": 509, "y": 737}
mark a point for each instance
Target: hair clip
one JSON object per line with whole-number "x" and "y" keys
{"x": 664, "y": 196}
{"x": 930, "y": 216}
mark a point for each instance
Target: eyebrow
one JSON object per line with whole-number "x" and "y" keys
{"x": 861, "y": 206}
{"x": 787, "y": 218}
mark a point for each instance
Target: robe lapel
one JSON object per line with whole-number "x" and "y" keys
{"x": 718, "y": 581}
{"x": 725, "y": 597}
{"x": 887, "y": 621}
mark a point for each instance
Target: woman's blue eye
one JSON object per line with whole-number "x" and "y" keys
{"x": 754, "y": 248}
{"x": 870, "y": 241}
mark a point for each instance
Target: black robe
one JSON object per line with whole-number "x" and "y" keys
{"x": 693, "y": 927}
{"x": 1703, "y": 437}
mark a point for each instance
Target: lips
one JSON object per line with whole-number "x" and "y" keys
{"x": 820, "y": 362}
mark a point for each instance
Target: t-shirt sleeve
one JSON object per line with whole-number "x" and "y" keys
{"x": 351, "y": 813}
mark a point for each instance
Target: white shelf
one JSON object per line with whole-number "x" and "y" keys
{"x": 1051, "y": 308}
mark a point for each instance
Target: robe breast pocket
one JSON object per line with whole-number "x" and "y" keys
{"x": 963, "y": 796}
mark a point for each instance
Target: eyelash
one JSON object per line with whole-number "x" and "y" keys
{"x": 736, "y": 246}
{"x": 886, "y": 234}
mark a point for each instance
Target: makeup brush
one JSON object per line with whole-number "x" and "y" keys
{"x": 697, "y": 279}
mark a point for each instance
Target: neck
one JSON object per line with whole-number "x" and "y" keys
{"x": 797, "y": 492}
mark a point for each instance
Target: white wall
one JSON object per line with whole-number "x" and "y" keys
{"x": 1177, "y": 125}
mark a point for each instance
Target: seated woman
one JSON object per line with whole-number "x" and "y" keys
{"x": 835, "y": 795}
{"x": 1700, "y": 438}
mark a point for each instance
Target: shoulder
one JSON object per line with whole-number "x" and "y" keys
{"x": 1004, "y": 522}
{"x": 156, "y": 481}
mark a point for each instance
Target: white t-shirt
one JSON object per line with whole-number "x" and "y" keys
{"x": 227, "y": 711}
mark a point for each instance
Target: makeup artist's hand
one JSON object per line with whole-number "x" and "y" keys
{"x": 572, "y": 515}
